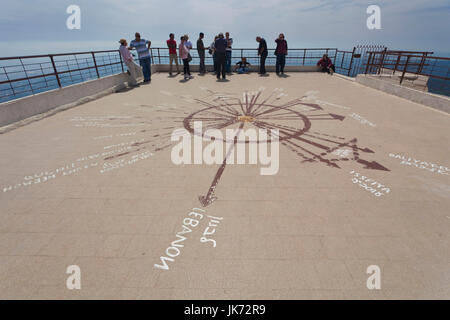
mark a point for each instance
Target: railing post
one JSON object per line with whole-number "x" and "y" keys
{"x": 422, "y": 62}
{"x": 95, "y": 64}
{"x": 404, "y": 70}
{"x": 159, "y": 57}
{"x": 121, "y": 61}
{"x": 54, "y": 69}
{"x": 396, "y": 63}
{"x": 368, "y": 62}
{"x": 381, "y": 61}
{"x": 304, "y": 56}
{"x": 351, "y": 62}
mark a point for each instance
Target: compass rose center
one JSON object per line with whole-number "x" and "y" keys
{"x": 245, "y": 119}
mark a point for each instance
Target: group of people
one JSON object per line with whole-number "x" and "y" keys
{"x": 220, "y": 49}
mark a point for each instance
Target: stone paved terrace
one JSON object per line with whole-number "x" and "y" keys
{"x": 363, "y": 180}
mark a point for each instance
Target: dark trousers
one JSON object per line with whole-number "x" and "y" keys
{"x": 201, "y": 55}
{"x": 186, "y": 67}
{"x": 281, "y": 61}
{"x": 221, "y": 64}
{"x": 262, "y": 63}
{"x": 325, "y": 69}
{"x": 215, "y": 61}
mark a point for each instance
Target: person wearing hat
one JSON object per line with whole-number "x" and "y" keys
{"x": 134, "y": 70}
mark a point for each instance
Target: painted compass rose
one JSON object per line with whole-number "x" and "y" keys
{"x": 293, "y": 119}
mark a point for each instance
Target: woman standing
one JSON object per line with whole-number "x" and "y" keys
{"x": 184, "y": 55}
{"x": 281, "y": 52}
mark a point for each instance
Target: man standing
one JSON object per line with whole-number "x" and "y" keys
{"x": 281, "y": 52}
{"x": 142, "y": 47}
{"x": 221, "y": 49}
{"x": 229, "y": 51}
{"x": 133, "y": 68}
{"x": 172, "y": 45}
{"x": 201, "y": 53}
{"x": 262, "y": 52}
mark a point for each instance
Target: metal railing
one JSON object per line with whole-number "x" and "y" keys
{"x": 415, "y": 69}
{"x": 26, "y": 75}
{"x": 296, "y": 57}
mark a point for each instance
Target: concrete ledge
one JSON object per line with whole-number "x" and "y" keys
{"x": 435, "y": 101}
{"x": 53, "y": 111}
{"x": 20, "y": 109}
{"x": 253, "y": 68}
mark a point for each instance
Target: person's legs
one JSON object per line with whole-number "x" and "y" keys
{"x": 185, "y": 67}
{"x": 278, "y": 64}
{"x": 224, "y": 66}
{"x": 176, "y": 63}
{"x": 201, "y": 54}
{"x": 133, "y": 75}
{"x": 171, "y": 58}
{"x": 282, "y": 63}
{"x": 262, "y": 68}
{"x": 219, "y": 58}
{"x": 146, "y": 69}
{"x": 217, "y": 65}
{"x": 243, "y": 70}
{"x": 149, "y": 69}
{"x": 228, "y": 61}
{"x": 138, "y": 70}
{"x": 333, "y": 68}
{"x": 215, "y": 62}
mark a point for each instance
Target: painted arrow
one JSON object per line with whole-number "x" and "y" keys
{"x": 210, "y": 196}
{"x": 372, "y": 165}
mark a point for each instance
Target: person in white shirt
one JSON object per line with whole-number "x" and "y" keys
{"x": 135, "y": 70}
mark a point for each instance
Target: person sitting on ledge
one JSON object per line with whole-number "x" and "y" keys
{"x": 326, "y": 65}
{"x": 242, "y": 66}
{"x": 134, "y": 70}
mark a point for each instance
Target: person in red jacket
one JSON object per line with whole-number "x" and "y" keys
{"x": 326, "y": 65}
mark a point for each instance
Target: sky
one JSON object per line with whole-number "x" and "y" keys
{"x": 39, "y": 26}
